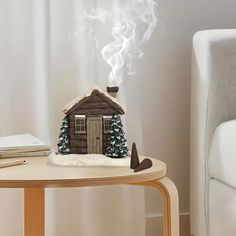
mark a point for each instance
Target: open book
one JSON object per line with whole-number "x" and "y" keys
{"x": 20, "y": 144}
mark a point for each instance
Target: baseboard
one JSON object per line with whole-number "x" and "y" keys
{"x": 154, "y": 225}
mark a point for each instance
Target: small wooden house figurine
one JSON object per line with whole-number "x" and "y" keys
{"x": 89, "y": 120}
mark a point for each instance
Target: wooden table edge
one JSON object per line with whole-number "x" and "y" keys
{"x": 63, "y": 183}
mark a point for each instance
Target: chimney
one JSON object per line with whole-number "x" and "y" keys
{"x": 113, "y": 91}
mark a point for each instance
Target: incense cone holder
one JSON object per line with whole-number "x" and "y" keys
{"x": 145, "y": 164}
{"x": 134, "y": 161}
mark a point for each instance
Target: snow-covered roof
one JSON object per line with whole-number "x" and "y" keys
{"x": 79, "y": 100}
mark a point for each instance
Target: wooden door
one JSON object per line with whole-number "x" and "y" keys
{"x": 94, "y": 135}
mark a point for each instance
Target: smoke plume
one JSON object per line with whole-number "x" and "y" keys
{"x": 132, "y": 24}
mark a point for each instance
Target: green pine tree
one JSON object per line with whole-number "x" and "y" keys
{"x": 117, "y": 147}
{"x": 64, "y": 137}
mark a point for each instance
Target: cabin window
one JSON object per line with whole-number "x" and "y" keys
{"x": 106, "y": 124}
{"x": 80, "y": 124}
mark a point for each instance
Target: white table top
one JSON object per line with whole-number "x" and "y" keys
{"x": 39, "y": 172}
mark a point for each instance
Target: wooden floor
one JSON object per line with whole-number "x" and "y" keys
{"x": 154, "y": 226}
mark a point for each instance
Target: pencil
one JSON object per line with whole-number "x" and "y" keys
{"x": 12, "y": 163}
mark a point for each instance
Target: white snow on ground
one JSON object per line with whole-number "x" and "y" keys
{"x": 87, "y": 160}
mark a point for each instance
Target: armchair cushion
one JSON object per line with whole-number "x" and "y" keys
{"x": 222, "y": 159}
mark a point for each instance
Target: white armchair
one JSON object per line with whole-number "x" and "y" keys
{"x": 213, "y": 101}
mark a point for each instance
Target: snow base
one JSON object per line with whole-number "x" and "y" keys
{"x": 87, "y": 160}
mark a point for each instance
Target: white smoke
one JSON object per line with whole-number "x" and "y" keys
{"x": 132, "y": 23}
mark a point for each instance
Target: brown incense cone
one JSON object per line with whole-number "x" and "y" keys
{"x": 145, "y": 164}
{"x": 134, "y": 161}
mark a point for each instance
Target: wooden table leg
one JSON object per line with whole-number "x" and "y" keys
{"x": 34, "y": 211}
{"x": 171, "y": 204}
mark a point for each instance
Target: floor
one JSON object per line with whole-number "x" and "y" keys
{"x": 154, "y": 226}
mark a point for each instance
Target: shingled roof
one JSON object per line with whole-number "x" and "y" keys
{"x": 93, "y": 91}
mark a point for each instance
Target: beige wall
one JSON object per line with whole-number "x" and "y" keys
{"x": 158, "y": 99}
{"x": 160, "y": 95}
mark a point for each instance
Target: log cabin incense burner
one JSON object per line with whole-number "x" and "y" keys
{"x": 87, "y": 126}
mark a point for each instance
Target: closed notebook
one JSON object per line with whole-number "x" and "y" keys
{"x": 25, "y": 154}
{"x": 21, "y": 143}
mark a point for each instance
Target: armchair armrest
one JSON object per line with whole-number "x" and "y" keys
{"x": 222, "y": 159}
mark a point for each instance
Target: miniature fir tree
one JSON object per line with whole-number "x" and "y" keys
{"x": 117, "y": 147}
{"x": 64, "y": 137}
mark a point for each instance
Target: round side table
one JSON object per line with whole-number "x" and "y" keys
{"x": 39, "y": 174}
